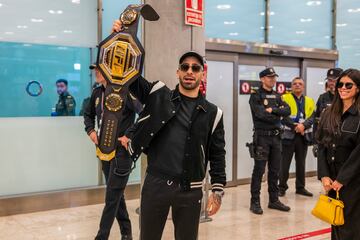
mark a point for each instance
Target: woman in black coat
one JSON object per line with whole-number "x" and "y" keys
{"x": 339, "y": 152}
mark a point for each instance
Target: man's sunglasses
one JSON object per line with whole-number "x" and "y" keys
{"x": 185, "y": 67}
{"x": 347, "y": 85}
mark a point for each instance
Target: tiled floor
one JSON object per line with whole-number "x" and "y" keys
{"x": 234, "y": 221}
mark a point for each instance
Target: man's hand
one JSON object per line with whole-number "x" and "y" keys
{"x": 300, "y": 128}
{"x": 93, "y": 137}
{"x": 214, "y": 203}
{"x": 327, "y": 183}
{"x": 336, "y": 186}
{"x": 269, "y": 110}
{"x": 117, "y": 26}
{"x": 124, "y": 141}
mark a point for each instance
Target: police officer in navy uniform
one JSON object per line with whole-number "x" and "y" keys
{"x": 115, "y": 206}
{"x": 267, "y": 109}
{"x": 66, "y": 104}
{"x": 326, "y": 98}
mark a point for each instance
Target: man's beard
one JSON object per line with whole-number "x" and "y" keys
{"x": 191, "y": 86}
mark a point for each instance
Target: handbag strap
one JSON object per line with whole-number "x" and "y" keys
{"x": 337, "y": 195}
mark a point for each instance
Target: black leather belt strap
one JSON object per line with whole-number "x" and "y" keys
{"x": 261, "y": 132}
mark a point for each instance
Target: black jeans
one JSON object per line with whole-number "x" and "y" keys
{"x": 157, "y": 196}
{"x": 267, "y": 150}
{"x": 115, "y": 206}
{"x": 297, "y": 146}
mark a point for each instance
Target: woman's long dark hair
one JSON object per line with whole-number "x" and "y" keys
{"x": 329, "y": 126}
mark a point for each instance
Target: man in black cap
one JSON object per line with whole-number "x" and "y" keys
{"x": 326, "y": 98}
{"x": 66, "y": 104}
{"x": 115, "y": 206}
{"x": 181, "y": 132}
{"x": 267, "y": 109}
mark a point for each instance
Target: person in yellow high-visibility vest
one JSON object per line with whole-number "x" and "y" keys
{"x": 297, "y": 135}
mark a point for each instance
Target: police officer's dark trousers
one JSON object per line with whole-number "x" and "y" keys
{"x": 299, "y": 147}
{"x": 267, "y": 151}
{"x": 157, "y": 196}
{"x": 116, "y": 178}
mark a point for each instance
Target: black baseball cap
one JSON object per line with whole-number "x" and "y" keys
{"x": 192, "y": 54}
{"x": 92, "y": 66}
{"x": 268, "y": 72}
{"x": 333, "y": 73}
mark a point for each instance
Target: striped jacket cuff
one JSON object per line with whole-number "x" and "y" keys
{"x": 217, "y": 187}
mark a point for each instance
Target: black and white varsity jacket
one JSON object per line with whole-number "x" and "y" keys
{"x": 205, "y": 141}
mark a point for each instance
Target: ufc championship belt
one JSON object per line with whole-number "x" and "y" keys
{"x": 120, "y": 60}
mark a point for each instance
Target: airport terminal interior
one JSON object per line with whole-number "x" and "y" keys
{"x": 52, "y": 184}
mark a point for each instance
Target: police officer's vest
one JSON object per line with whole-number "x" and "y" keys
{"x": 309, "y": 110}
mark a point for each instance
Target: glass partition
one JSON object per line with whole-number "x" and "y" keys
{"x": 42, "y": 43}
{"x": 235, "y": 19}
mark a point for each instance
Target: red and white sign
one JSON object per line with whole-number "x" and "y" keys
{"x": 194, "y": 12}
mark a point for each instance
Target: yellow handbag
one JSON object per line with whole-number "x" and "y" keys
{"x": 329, "y": 210}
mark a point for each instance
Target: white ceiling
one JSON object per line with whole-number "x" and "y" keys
{"x": 64, "y": 22}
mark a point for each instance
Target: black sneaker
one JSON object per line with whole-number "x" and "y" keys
{"x": 304, "y": 192}
{"x": 281, "y": 193}
{"x": 256, "y": 208}
{"x": 126, "y": 237}
{"x": 278, "y": 206}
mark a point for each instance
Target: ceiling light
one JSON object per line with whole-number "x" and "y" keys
{"x": 22, "y": 26}
{"x": 223, "y": 7}
{"x": 67, "y": 31}
{"x": 27, "y": 45}
{"x": 313, "y": 3}
{"x": 341, "y": 24}
{"x": 0, "y": 4}
{"x": 352, "y": 10}
{"x": 234, "y": 34}
{"x": 300, "y": 32}
{"x": 9, "y": 33}
{"x": 270, "y": 13}
{"x": 56, "y": 11}
{"x": 37, "y": 20}
{"x": 305, "y": 19}
{"x": 75, "y": 1}
{"x": 270, "y": 27}
{"x": 327, "y": 37}
{"x": 52, "y": 36}
{"x": 62, "y": 48}
{"x": 229, "y": 22}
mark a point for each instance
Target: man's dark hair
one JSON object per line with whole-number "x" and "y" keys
{"x": 62, "y": 81}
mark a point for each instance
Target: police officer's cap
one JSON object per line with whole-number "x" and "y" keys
{"x": 333, "y": 73}
{"x": 268, "y": 72}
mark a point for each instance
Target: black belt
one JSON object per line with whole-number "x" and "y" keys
{"x": 261, "y": 132}
{"x": 160, "y": 174}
